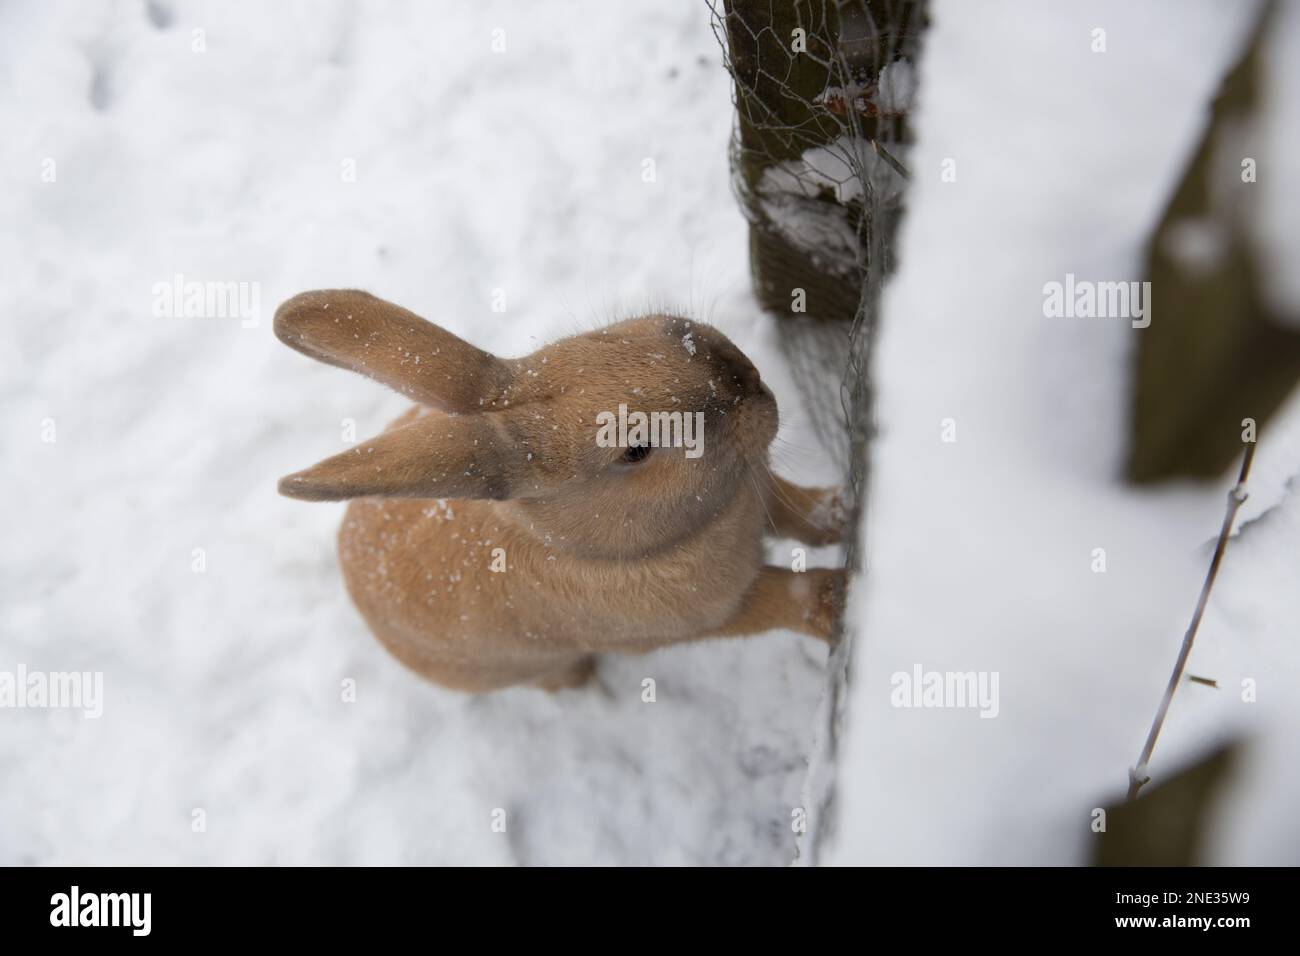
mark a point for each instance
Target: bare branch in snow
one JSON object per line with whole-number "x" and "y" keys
{"x": 1137, "y": 776}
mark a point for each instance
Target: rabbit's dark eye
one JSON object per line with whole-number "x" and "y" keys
{"x": 635, "y": 454}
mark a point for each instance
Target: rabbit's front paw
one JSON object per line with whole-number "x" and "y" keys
{"x": 828, "y": 514}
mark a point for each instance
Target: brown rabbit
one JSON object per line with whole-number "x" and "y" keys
{"x": 494, "y": 540}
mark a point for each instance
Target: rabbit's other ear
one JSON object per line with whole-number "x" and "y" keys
{"x": 355, "y": 330}
{"x": 435, "y": 456}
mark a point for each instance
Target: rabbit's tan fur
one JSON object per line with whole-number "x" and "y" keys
{"x": 599, "y": 554}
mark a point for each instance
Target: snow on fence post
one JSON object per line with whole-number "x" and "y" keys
{"x": 821, "y": 94}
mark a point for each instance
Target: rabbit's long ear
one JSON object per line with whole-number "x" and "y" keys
{"x": 355, "y": 330}
{"x": 435, "y": 456}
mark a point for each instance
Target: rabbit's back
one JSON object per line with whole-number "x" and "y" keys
{"x": 457, "y": 591}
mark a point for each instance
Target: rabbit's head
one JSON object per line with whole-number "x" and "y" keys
{"x": 617, "y": 442}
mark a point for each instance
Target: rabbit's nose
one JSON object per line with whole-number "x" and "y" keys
{"x": 739, "y": 369}
{"x": 749, "y": 380}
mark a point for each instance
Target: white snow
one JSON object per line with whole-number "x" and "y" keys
{"x": 897, "y": 87}
{"x": 980, "y": 551}
{"x": 521, "y": 173}
{"x": 475, "y": 171}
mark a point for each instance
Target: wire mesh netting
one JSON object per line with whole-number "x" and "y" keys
{"x": 819, "y": 156}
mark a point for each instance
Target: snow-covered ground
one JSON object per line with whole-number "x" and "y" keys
{"x": 981, "y": 549}
{"x": 521, "y": 169}
{"x": 398, "y": 148}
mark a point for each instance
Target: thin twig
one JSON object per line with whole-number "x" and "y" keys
{"x": 889, "y": 158}
{"x": 1137, "y": 775}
